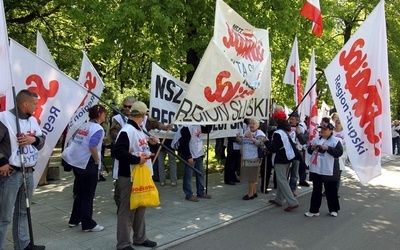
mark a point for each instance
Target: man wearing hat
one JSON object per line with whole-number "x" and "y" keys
{"x": 300, "y": 137}
{"x": 131, "y": 148}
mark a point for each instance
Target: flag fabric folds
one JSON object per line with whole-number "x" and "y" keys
{"x": 292, "y": 73}
{"x": 94, "y": 85}
{"x": 6, "y": 101}
{"x": 312, "y": 11}
{"x": 233, "y": 78}
{"x": 358, "y": 78}
{"x": 59, "y": 96}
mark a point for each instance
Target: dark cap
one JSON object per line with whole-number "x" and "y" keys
{"x": 326, "y": 125}
{"x": 294, "y": 114}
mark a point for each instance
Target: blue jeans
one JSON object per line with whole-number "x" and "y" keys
{"x": 294, "y": 175}
{"x": 12, "y": 199}
{"x": 187, "y": 178}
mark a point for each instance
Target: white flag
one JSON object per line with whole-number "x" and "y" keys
{"x": 6, "y": 101}
{"x": 323, "y": 111}
{"x": 309, "y": 106}
{"x": 359, "y": 82}
{"x": 165, "y": 97}
{"x": 232, "y": 80}
{"x": 59, "y": 96}
{"x": 90, "y": 79}
{"x": 292, "y": 74}
{"x": 43, "y": 51}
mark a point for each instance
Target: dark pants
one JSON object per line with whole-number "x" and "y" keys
{"x": 266, "y": 172}
{"x": 232, "y": 163}
{"x": 302, "y": 172}
{"x": 396, "y": 143}
{"x": 331, "y": 192}
{"x": 85, "y": 187}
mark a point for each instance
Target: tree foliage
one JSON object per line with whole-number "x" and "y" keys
{"x": 123, "y": 37}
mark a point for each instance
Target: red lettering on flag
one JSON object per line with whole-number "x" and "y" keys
{"x": 42, "y": 92}
{"x": 245, "y": 44}
{"x": 90, "y": 84}
{"x": 368, "y": 104}
{"x": 225, "y": 91}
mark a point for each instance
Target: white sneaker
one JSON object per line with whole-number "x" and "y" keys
{"x": 309, "y": 214}
{"x": 97, "y": 228}
{"x": 333, "y": 214}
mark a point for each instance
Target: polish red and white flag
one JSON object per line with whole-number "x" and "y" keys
{"x": 358, "y": 78}
{"x": 312, "y": 11}
{"x": 292, "y": 74}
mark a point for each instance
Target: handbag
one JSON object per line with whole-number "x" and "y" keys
{"x": 144, "y": 192}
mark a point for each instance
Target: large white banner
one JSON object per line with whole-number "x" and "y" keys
{"x": 6, "y": 100}
{"x": 165, "y": 97}
{"x": 59, "y": 96}
{"x": 90, "y": 79}
{"x": 359, "y": 82}
{"x": 234, "y": 76}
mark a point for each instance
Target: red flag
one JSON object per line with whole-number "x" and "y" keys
{"x": 312, "y": 12}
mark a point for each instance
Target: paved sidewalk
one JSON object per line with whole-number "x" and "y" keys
{"x": 174, "y": 221}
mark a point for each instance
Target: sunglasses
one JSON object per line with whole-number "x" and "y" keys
{"x": 128, "y": 106}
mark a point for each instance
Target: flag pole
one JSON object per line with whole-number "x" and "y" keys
{"x": 305, "y": 95}
{"x": 160, "y": 144}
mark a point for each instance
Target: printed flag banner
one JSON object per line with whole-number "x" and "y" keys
{"x": 90, "y": 80}
{"x": 218, "y": 93}
{"x": 165, "y": 97}
{"x": 247, "y": 48}
{"x": 59, "y": 96}
{"x": 232, "y": 81}
{"x": 312, "y": 11}
{"x": 6, "y": 100}
{"x": 166, "y": 94}
{"x": 43, "y": 51}
{"x": 359, "y": 82}
{"x": 292, "y": 73}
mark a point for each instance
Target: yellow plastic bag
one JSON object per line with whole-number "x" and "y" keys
{"x": 144, "y": 192}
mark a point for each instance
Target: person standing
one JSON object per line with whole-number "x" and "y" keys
{"x": 396, "y": 136}
{"x": 84, "y": 154}
{"x": 252, "y": 140}
{"x": 12, "y": 195}
{"x": 191, "y": 149}
{"x": 299, "y": 136}
{"x": 131, "y": 148}
{"x": 117, "y": 122}
{"x": 232, "y": 161}
{"x": 282, "y": 157}
{"x": 171, "y": 162}
{"x": 325, "y": 151}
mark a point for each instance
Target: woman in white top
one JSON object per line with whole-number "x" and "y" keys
{"x": 252, "y": 139}
{"x": 84, "y": 154}
{"x": 324, "y": 170}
